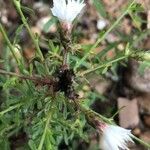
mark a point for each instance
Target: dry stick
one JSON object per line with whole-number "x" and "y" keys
{"x": 15, "y": 74}
{"x": 35, "y": 79}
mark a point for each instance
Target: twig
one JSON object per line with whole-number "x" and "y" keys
{"x": 35, "y": 79}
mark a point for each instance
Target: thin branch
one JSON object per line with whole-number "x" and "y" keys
{"x": 101, "y": 66}
{"x": 46, "y": 81}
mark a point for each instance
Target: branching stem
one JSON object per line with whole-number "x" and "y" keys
{"x": 104, "y": 35}
{"x": 32, "y": 35}
{"x": 11, "y": 47}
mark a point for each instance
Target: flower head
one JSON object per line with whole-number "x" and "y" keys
{"x": 67, "y": 10}
{"x": 115, "y": 138}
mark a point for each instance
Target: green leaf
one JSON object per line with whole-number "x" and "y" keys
{"x": 4, "y": 144}
{"x": 100, "y": 7}
{"x": 134, "y": 12}
{"x": 27, "y": 10}
{"x": 17, "y": 34}
{"x": 32, "y": 145}
{"x": 48, "y": 143}
{"x": 52, "y": 21}
{"x": 10, "y": 83}
{"x": 40, "y": 68}
{"x": 143, "y": 66}
{"x": 52, "y": 47}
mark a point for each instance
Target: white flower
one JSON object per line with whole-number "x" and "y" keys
{"x": 67, "y": 11}
{"x": 115, "y": 138}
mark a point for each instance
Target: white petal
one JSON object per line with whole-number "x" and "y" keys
{"x": 67, "y": 12}
{"x": 115, "y": 137}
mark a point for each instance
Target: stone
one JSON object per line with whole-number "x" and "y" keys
{"x": 145, "y": 136}
{"x": 144, "y": 104}
{"x": 128, "y": 116}
{"x": 147, "y": 120}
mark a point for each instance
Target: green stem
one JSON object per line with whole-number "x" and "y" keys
{"x": 32, "y": 35}
{"x": 48, "y": 119}
{"x": 104, "y": 35}
{"x": 144, "y": 55}
{"x": 141, "y": 37}
{"x": 107, "y": 120}
{"x": 10, "y": 109}
{"x": 101, "y": 66}
{"x": 11, "y": 47}
{"x": 87, "y": 112}
{"x": 141, "y": 142}
{"x": 2, "y": 132}
{"x": 45, "y": 131}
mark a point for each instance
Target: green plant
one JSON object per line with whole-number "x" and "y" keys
{"x": 35, "y": 104}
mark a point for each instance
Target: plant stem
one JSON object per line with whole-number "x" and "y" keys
{"x": 106, "y": 120}
{"x": 143, "y": 55}
{"x": 11, "y": 47}
{"x": 87, "y": 112}
{"x": 65, "y": 57}
{"x": 101, "y": 66}
{"x": 35, "y": 79}
{"x": 16, "y": 75}
{"x": 104, "y": 35}
{"x": 10, "y": 108}
{"x": 65, "y": 39}
{"x": 2, "y": 132}
{"x": 45, "y": 130}
{"x": 141, "y": 142}
{"x": 32, "y": 35}
{"x": 142, "y": 36}
{"x": 48, "y": 118}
